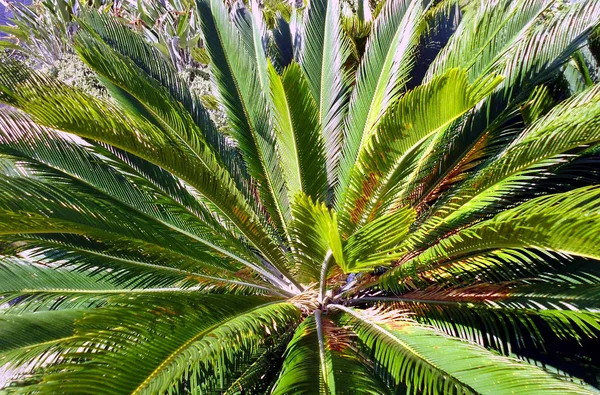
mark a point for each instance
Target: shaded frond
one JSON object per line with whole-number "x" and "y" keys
{"x": 447, "y": 365}
{"x": 167, "y": 342}
{"x": 334, "y": 369}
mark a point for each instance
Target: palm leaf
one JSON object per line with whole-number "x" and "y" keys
{"x": 334, "y": 369}
{"x": 508, "y": 317}
{"x": 451, "y": 156}
{"x": 241, "y": 92}
{"x": 315, "y": 236}
{"x": 174, "y": 348}
{"x": 542, "y": 147}
{"x": 324, "y": 51}
{"x": 83, "y": 118}
{"x": 384, "y": 70}
{"x": 559, "y": 223}
{"x": 421, "y": 113}
{"x": 444, "y": 364}
{"x": 299, "y": 134}
{"x": 486, "y": 30}
{"x": 378, "y": 237}
{"x": 31, "y": 340}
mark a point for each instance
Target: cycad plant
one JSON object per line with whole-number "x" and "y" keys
{"x": 358, "y": 229}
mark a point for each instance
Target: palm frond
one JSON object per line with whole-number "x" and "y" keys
{"x": 419, "y": 114}
{"x": 268, "y": 364}
{"x": 315, "y": 233}
{"x": 376, "y": 238}
{"x": 533, "y": 156}
{"x": 31, "y": 340}
{"x": 299, "y": 134}
{"x": 459, "y": 150}
{"x": 509, "y": 317}
{"x": 324, "y": 51}
{"x": 446, "y": 365}
{"x": 142, "y": 266}
{"x": 334, "y": 369}
{"x": 485, "y": 31}
{"x": 246, "y": 105}
{"x": 381, "y": 75}
{"x": 560, "y": 223}
{"x": 73, "y": 165}
{"x": 165, "y": 347}
{"x": 131, "y": 46}
{"x": 85, "y": 116}
{"x": 21, "y": 274}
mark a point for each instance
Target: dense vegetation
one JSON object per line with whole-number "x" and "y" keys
{"x": 404, "y": 198}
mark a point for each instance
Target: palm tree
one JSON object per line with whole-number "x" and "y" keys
{"x": 355, "y": 229}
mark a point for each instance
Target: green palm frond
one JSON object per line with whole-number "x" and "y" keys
{"x": 299, "y": 136}
{"x": 562, "y": 223}
{"x": 334, "y": 369}
{"x": 381, "y": 75}
{"x": 28, "y": 287}
{"x": 446, "y": 365}
{"x": 417, "y": 116}
{"x": 508, "y": 317}
{"x": 144, "y": 267}
{"x": 484, "y": 33}
{"x": 83, "y": 118}
{"x": 324, "y": 51}
{"x": 78, "y": 166}
{"x": 316, "y": 236}
{"x": 31, "y": 340}
{"x": 169, "y": 342}
{"x": 539, "y": 149}
{"x": 131, "y": 46}
{"x": 378, "y": 237}
{"x": 240, "y": 91}
{"x": 401, "y": 197}
{"x": 260, "y": 375}
{"x": 462, "y": 148}
{"x": 251, "y": 25}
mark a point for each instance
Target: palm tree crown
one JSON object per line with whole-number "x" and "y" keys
{"x": 373, "y": 219}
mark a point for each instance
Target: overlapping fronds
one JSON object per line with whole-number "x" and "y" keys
{"x": 169, "y": 342}
{"x": 563, "y": 222}
{"x": 450, "y": 157}
{"x": 486, "y": 30}
{"x": 404, "y": 198}
{"x": 89, "y": 117}
{"x": 509, "y": 317}
{"x": 334, "y": 369}
{"x": 325, "y": 49}
{"x": 417, "y": 116}
{"x": 381, "y": 75}
{"x": 444, "y": 364}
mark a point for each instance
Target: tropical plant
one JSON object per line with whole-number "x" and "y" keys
{"x": 43, "y": 30}
{"x": 36, "y": 32}
{"x": 348, "y": 235}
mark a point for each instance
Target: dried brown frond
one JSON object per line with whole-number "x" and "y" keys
{"x": 473, "y": 293}
{"x": 307, "y": 301}
{"x": 339, "y": 339}
{"x": 392, "y": 317}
